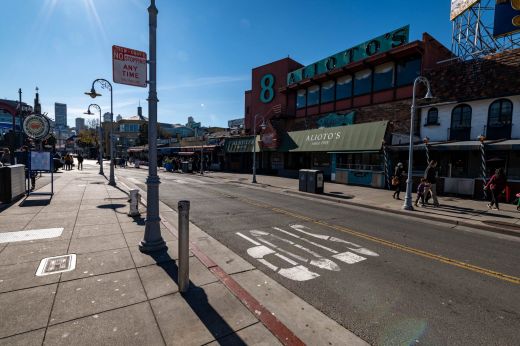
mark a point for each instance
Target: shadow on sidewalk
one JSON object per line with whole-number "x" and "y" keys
{"x": 198, "y": 301}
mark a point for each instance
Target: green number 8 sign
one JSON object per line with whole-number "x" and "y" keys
{"x": 267, "y": 93}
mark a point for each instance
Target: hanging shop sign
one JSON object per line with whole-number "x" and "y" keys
{"x": 507, "y": 17}
{"x": 458, "y": 7}
{"x": 36, "y": 126}
{"x": 362, "y": 51}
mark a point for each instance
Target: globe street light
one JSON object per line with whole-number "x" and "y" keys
{"x": 93, "y": 105}
{"x": 408, "y": 199}
{"x": 106, "y": 85}
{"x": 262, "y": 126}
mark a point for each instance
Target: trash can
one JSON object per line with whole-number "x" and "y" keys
{"x": 12, "y": 182}
{"x": 303, "y": 180}
{"x": 186, "y": 167}
{"x": 314, "y": 181}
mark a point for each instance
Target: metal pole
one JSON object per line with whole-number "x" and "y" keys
{"x": 152, "y": 240}
{"x": 100, "y": 145}
{"x": 112, "y": 179}
{"x": 201, "y": 154}
{"x": 387, "y": 166}
{"x": 254, "y": 149}
{"x": 408, "y": 198}
{"x": 183, "y": 209}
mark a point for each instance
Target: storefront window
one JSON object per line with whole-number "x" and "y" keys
{"x": 408, "y": 70}
{"x": 301, "y": 98}
{"x": 384, "y": 76}
{"x": 344, "y": 88}
{"x": 313, "y": 95}
{"x": 360, "y": 161}
{"x": 363, "y": 82}
{"x": 327, "y": 92}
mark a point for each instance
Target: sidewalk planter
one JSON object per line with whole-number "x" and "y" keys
{"x": 12, "y": 182}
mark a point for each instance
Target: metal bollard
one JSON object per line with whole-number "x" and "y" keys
{"x": 135, "y": 199}
{"x": 183, "y": 209}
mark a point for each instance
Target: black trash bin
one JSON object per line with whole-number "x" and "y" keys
{"x": 314, "y": 181}
{"x": 186, "y": 167}
{"x": 303, "y": 180}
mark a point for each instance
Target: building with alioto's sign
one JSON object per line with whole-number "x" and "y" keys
{"x": 349, "y": 113}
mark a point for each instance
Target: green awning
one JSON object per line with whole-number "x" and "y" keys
{"x": 352, "y": 138}
{"x": 241, "y": 144}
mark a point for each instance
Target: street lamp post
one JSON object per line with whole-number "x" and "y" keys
{"x": 106, "y": 85}
{"x": 262, "y": 126}
{"x": 426, "y": 141}
{"x": 93, "y": 105}
{"x": 152, "y": 240}
{"x": 408, "y": 198}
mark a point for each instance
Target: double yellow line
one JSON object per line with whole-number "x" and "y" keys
{"x": 421, "y": 253}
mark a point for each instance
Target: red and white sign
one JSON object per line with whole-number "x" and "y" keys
{"x": 129, "y": 66}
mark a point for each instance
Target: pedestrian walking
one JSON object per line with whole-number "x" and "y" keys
{"x": 397, "y": 180}
{"x": 5, "y": 158}
{"x": 80, "y": 162}
{"x": 420, "y": 192}
{"x": 496, "y": 185}
{"x": 431, "y": 178}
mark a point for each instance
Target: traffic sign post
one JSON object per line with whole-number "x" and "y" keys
{"x": 129, "y": 66}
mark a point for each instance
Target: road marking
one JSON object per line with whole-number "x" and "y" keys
{"x": 33, "y": 234}
{"x": 421, "y": 253}
{"x": 263, "y": 248}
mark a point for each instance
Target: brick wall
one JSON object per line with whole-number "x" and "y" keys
{"x": 493, "y": 76}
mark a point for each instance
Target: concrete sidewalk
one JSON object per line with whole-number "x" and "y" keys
{"x": 117, "y": 295}
{"x": 453, "y": 210}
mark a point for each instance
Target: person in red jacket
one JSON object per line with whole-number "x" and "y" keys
{"x": 496, "y": 185}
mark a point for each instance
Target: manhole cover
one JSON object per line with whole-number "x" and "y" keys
{"x": 55, "y": 265}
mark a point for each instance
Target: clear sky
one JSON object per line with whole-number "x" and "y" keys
{"x": 206, "y": 48}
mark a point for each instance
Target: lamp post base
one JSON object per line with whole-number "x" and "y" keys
{"x": 408, "y": 207}
{"x": 150, "y": 247}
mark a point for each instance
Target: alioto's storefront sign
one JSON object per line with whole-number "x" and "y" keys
{"x": 377, "y": 45}
{"x": 352, "y": 138}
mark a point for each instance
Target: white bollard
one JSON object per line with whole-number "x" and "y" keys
{"x": 135, "y": 199}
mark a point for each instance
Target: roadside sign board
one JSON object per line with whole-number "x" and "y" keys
{"x": 129, "y": 66}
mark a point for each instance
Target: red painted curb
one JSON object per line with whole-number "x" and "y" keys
{"x": 273, "y": 324}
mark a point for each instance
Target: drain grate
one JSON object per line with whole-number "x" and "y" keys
{"x": 55, "y": 265}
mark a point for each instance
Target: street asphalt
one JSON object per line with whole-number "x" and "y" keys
{"x": 385, "y": 277}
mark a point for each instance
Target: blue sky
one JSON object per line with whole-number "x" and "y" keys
{"x": 206, "y": 49}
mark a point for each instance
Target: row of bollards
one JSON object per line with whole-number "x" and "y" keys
{"x": 184, "y": 238}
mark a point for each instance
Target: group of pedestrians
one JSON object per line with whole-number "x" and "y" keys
{"x": 68, "y": 161}
{"x": 427, "y": 188}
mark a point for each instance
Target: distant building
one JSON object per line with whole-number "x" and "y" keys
{"x": 106, "y": 117}
{"x": 119, "y": 117}
{"x": 192, "y": 124}
{"x": 60, "y": 114}
{"x": 80, "y": 124}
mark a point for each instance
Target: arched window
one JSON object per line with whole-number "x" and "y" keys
{"x": 433, "y": 117}
{"x": 500, "y": 118}
{"x": 500, "y": 113}
{"x": 460, "y": 123}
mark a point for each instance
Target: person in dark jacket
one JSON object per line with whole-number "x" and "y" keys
{"x": 80, "y": 162}
{"x": 496, "y": 185}
{"x": 398, "y": 174}
{"x": 431, "y": 178}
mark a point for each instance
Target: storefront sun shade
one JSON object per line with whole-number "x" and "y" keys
{"x": 353, "y": 138}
